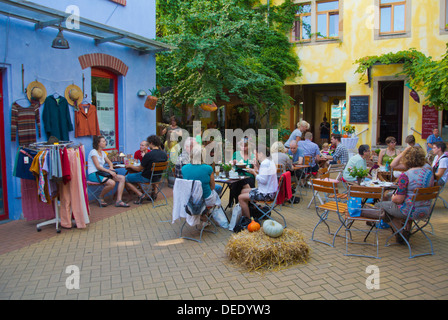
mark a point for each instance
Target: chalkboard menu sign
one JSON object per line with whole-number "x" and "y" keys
{"x": 359, "y": 109}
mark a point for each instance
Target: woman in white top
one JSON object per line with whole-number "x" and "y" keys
{"x": 440, "y": 163}
{"x": 267, "y": 182}
{"x": 97, "y": 160}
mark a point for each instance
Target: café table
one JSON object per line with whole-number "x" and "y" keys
{"x": 227, "y": 184}
{"x": 303, "y": 168}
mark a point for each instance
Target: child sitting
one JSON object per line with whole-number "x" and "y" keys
{"x": 325, "y": 149}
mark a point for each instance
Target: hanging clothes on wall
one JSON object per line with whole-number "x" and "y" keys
{"x": 86, "y": 121}
{"x": 56, "y": 118}
{"x": 24, "y": 122}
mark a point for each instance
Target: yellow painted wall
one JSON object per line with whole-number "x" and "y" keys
{"x": 333, "y": 62}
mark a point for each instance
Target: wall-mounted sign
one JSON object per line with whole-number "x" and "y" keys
{"x": 359, "y": 109}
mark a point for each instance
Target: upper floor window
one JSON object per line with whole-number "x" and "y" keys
{"x": 316, "y": 20}
{"x": 327, "y": 19}
{"x": 302, "y": 27}
{"x": 446, "y": 14}
{"x": 392, "y": 16}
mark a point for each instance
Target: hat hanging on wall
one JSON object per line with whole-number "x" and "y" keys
{"x": 36, "y": 91}
{"x": 73, "y": 94}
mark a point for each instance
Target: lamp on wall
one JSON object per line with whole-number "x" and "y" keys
{"x": 325, "y": 98}
{"x": 60, "y": 42}
{"x": 141, "y": 93}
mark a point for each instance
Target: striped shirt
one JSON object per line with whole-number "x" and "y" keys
{"x": 341, "y": 153}
{"x": 23, "y": 121}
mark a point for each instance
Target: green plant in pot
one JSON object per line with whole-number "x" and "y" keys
{"x": 358, "y": 173}
{"x": 226, "y": 167}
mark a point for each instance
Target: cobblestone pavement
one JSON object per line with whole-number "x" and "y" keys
{"x": 136, "y": 254}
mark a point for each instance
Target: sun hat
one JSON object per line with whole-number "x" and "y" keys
{"x": 36, "y": 91}
{"x": 73, "y": 94}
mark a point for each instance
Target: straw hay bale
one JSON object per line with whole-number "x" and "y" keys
{"x": 256, "y": 251}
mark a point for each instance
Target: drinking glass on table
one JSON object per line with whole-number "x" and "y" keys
{"x": 217, "y": 169}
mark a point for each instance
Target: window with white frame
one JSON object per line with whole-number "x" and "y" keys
{"x": 392, "y": 16}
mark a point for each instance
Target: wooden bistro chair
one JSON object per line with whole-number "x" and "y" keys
{"x": 158, "y": 171}
{"x": 426, "y": 197}
{"x": 335, "y": 206}
{"x": 369, "y": 215}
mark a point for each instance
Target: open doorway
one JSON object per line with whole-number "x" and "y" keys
{"x": 390, "y": 111}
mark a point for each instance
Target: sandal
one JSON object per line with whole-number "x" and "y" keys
{"x": 121, "y": 204}
{"x": 140, "y": 199}
{"x": 102, "y": 203}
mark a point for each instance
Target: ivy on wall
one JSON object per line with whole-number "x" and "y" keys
{"x": 422, "y": 72}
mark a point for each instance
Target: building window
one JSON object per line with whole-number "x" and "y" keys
{"x": 317, "y": 20}
{"x": 392, "y": 16}
{"x": 327, "y": 19}
{"x": 302, "y": 27}
{"x": 446, "y": 14}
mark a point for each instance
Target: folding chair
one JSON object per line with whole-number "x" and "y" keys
{"x": 423, "y": 197}
{"x": 323, "y": 210}
{"x": 445, "y": 203}
{"x": 182, "y": 190}
{"x": 271, "y": 205}
{"x": 156, "y": 183}
{"x": 369, "y": 214}
{"x": 94, "y": 189}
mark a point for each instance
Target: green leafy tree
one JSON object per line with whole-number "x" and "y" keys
{"x": 225, "y": 49}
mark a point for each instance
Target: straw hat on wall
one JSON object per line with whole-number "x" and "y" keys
{"x": 73, "y": 94}
{"x": 36, "y": 91}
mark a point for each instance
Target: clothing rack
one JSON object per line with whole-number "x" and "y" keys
{"x": 44, "y": 146}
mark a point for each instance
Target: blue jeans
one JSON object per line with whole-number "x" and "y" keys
{"x": 218, "y": 189}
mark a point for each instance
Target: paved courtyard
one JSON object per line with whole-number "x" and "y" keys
{"x": 136, "y": 254}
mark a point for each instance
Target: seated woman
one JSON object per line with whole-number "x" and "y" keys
{"x": 144, "y": 148}
{"x": 279, "y": 156}
{"x": 144, "y": 170}
{"x": 96, "y": 160}
{"x": 266, "y": 176}
{"x": 418, "y": 175}
{"x": 196, "y": 170}
{"x": 440, "y": 163}
{"x": 389, "y": 154}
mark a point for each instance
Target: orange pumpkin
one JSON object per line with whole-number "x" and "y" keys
{"x": 253, "y": 226}
{"x": 345, "y": 136}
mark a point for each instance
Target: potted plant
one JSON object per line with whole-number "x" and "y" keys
{"x": 226, "y": 167}
{"x": 349, "y": 130}
{"x": 358, "y": 173}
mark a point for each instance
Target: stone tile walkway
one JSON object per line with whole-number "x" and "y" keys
{"x": 136, "y": 254}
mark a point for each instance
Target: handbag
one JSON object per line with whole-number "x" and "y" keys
{"x": 104, "y": 174}
{"x": 195, "y": 208}
{"x": 354, "y": 206}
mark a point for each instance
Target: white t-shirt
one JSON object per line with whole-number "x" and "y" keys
{"x": 267, "y": 177}
{"x": 443, "y": 163}
{"x": 101, "y": 159}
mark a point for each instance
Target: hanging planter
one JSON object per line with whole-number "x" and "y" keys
{"x": 209, "y": 106}
{"x": 151, "y": 99}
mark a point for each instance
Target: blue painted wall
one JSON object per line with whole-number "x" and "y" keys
{"x": 21, "y": 44}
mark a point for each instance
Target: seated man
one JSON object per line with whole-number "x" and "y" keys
{"x": 310, "y": 149}
{"x": 144, "y": 170}
{"x": 144, "y": 148}
{"x": 358, "y": 161}
{"x": 341, "y": 152}
{"x": 295, "y": 152}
